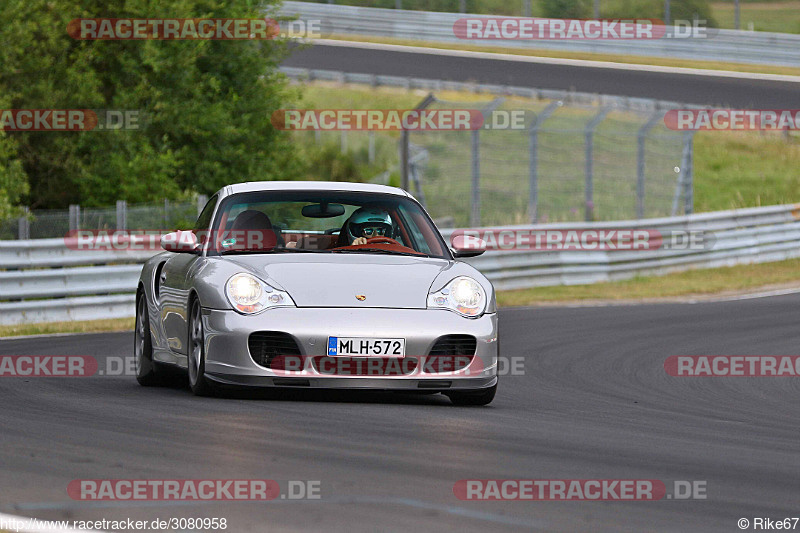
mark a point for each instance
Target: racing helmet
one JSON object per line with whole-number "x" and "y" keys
{"x": 368, "y": 217}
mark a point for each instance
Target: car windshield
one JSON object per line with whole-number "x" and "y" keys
{"x": 322, "y": 222}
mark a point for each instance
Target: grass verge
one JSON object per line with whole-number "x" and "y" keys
{"x": 92, "y": 326}
{"x": 782, "y": 16}
{"x": 560, "y": 54}
{"x": 701, "y": 282}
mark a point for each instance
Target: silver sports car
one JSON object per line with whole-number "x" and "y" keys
{"x": 317, "y": 285}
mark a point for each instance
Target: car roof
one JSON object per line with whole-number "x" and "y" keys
{"x": 255, "y": 186}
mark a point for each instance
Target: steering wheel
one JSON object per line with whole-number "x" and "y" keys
{"x": 382, "y": 240}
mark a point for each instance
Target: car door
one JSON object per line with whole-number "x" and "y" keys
{"x": 176, "y": 281}
{"x": 174, "y": 299}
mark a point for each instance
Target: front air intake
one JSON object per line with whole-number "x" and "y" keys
{"x": 266, "y": 346}
{"x": 454, "y": 345}
{"x": 451, "y": 353}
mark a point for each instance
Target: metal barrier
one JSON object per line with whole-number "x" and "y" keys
{"x": 53, "y": 283}
{"x": 719, "y": 45}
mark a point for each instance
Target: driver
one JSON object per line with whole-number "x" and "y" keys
{"x": 366, "y": 223}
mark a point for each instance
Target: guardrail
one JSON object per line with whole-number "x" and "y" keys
{"x": 44, "y": 281}
{"x": 720, "y": 45}
{"x": 753, "y": 235}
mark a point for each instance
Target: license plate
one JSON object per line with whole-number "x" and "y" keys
{"x": 366, "y": 346}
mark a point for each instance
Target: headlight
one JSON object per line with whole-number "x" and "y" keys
{"x": 248, "y": 294}
{"x": 462, "y": 295}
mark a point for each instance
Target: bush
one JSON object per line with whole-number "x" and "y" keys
{"x": 679, "y": 10}
{"x": 566, "y": 9}
{"x": 691, "y": 9}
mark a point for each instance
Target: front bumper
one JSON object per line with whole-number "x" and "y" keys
{"x": 228, "y": 359}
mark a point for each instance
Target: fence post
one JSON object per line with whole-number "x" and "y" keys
{"x": 122, "y": 214}
{"x": 404, "y": 140}
{"x": 475, "y": 203}
{"x": 475, "y": 212}
{"x": 371, "y": 150}
{"x": 526, "y": 8}
{"x": 24, "y": 232}
{"x": 414, "y": 164}
{"x": 666, "y": 12}
{"x": 166, "y": 214}
{"x": 688, "y": 182}
{"x": 589, "y": 155}
{"x": 684, "y": 185}
{"x": 597, "y": 9}
{"x": 202, "y": 200}
{"x": 641, "y": 138}
{"x": 533, "y": 149}
{"x": 462, "y": 6}
{"x": 74, "y": 217}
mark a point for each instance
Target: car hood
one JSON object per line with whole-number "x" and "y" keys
{"x": 334, "y": 280}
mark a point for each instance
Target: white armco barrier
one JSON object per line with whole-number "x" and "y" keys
{"x": 703, "y": 44}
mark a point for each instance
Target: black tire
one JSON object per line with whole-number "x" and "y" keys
{"x": 479, "y": 397}
{"x": 146, "y": 369}
{"x": 197, "y": 352}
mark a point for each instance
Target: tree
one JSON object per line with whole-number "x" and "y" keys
{"x": 204, "y": 106}
{"x": 566, "y": 9}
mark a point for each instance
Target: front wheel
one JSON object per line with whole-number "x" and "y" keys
{"x": 480, "y": 397}
{"x": 197, "y": 353}
{"x": 146, "y": 372}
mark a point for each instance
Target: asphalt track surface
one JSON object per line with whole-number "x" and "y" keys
{"x": 594, "y": 403}
{"x": 687, "y": 88}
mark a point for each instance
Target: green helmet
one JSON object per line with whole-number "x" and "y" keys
{"x": 368, "y": 217}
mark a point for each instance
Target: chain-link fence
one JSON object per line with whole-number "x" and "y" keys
{"x": 576, "y": 156}
{"x": 563, "y": 162}
{"x": 55, "y": 223}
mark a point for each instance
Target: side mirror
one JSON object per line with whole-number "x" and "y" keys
{"x": 467, "y": 246}
{"x": 180, "y": 242}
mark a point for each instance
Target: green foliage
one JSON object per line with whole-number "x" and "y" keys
{"x": 13, "y": 181}
{"x": 566, "y": 9}
{"x": 204, "y": 106}
{"x": 679, "y": 10}
{"x": 496, "y": 7}
{"x": 691, "y": 9}
{"x": 329, "y": 164}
